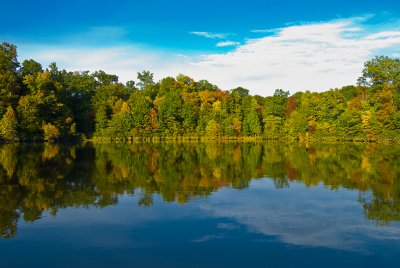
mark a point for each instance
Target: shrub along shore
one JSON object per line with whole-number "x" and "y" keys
{"x": 38, "y": 104}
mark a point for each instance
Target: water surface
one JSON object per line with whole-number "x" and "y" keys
{"x": 199, "y": 205}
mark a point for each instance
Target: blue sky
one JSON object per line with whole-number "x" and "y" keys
{"x": 230, "y": 43}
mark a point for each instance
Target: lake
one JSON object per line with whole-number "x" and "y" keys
{"x": 210, "y": 204}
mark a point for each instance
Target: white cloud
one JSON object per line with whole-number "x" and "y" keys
{"x": 305, "y": 57}
{"x": 265, "y": 31}
{"x": 301, "y": 216}
{"x": 227, "y": 44}
{"x": 316, "y": 56}
{"x": 125, "y": 61}
{"x": 210, "y": 35}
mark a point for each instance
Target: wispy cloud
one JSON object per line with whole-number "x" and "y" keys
{"x": 227, "y": 44}
{"x": 96, "y": 35}
{"x": 210, "y": 35}
{"x": 265, "y": 30}
{"x": 313, "y": 56}
{"x": 207, "y": 238}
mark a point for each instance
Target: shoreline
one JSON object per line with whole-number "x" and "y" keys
{"x": 161, "y": 139}
{"x": 218, "y": 139}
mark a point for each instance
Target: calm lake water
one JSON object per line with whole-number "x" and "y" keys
{"x": 200, "y": 205}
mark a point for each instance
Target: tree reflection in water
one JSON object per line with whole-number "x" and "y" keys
{"x": 46, "y": 177}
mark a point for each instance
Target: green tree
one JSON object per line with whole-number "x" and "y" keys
{"x": 167, "y": 84}
{"x": 9, "y": 87}
{"x": 273, "y": 126}
{"x": 189, "y": 118}
{"x": 170, "y": 113}
{"x": 185, "y": 83}
{"x": 251, "y": 121}
{"x": 212, "y": 128}
{"x": 30, "y": 67}
{"x": 251, "y": 124}
{"x": 145, "y": 78}
{"x": 350, "y": 123}
{"x": 8, "y": 125}
{"x": 276, "y": 105}
{"x": 101, "y": 119}
{"x": 240, "y": 92}
{"x": 78, "y": 90}
{"x": 140, "y": 112}
{"x": 203, "y": 85}
{"x": 105, "y": 79}
{"x": 131, "y": 86}
{"x": 296, "y": 124}
{"x": 379, "y": 71}
{"x": 29, "y": 112}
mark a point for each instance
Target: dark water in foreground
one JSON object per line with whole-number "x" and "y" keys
{"x": 199, "y": 205}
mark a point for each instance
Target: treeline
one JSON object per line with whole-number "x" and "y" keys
{"x": 53, "y": 104}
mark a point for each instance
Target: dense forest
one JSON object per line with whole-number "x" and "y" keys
{"x": 52, "y": 104}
